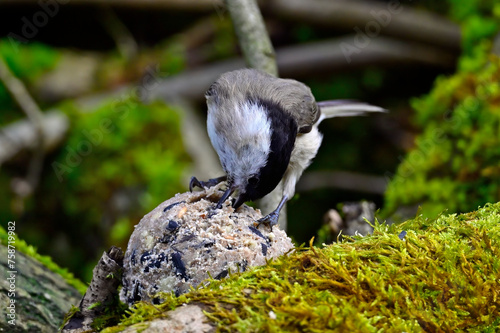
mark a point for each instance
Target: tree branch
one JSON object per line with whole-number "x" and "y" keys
{"x": 252, "y": 35}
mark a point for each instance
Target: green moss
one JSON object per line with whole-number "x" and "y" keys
{"x": 70, "y": 314}
{"x": 111, "y": 316}
{"x": 478, "y": 18}
{"x": 31, "y": 251}
{"x": 453, "y": 165}
{"x": 442, "y": 275}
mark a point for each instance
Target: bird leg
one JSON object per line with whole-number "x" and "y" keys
{"x": 273, "y": 217}
{"x": 209, "y": 183}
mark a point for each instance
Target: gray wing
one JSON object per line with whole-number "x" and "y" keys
{"x": 294, "y": 97}
{"x": 298, "y": 100}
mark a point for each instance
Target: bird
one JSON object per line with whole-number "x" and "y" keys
{"x": 265, "y": 131}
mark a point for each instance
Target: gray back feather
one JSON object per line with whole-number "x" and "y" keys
{"x": 293, "y": 96}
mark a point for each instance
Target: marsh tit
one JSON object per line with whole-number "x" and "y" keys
{"x": 265, "y": 130}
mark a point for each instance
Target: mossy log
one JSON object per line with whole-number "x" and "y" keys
{"x": 33, "y": 298}
{"x": 424, "y": 275}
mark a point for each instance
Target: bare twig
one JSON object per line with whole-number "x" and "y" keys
{"x": 299, "y": 61}
{"x": 354, "y": 221}
{"x": 27, "y": 104}
{"x": 252, "y": 35}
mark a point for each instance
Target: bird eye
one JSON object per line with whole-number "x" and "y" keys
{"x": 253, "y": 180}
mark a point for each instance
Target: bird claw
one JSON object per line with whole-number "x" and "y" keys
{"x": 270, "y": 219}
{"x": 201, "y": 184}
{"x": 194, "y": 182}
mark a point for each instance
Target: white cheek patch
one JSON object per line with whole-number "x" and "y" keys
{"x": 242, "y": 139}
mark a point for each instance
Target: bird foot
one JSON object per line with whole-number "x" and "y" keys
{"x": 204, "y": 184}
{"x": 270, "y": 219}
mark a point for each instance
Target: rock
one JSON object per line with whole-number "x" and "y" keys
{"x": 185, "y": 319}
{"x": 184, "y": 239}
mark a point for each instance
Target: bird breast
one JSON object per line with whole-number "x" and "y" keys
{"x": 241, "y": 135}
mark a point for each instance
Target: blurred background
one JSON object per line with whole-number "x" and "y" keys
{"x": 102, "y": 114}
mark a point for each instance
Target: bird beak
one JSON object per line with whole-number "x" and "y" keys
{"x": 224, "y": 197}
{"x": 241, "y": 199}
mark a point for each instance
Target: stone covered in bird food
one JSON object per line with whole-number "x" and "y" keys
{"x": 185, "y": 239}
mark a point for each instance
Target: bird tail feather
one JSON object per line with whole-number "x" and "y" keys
{"x": 345, "y": 108}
